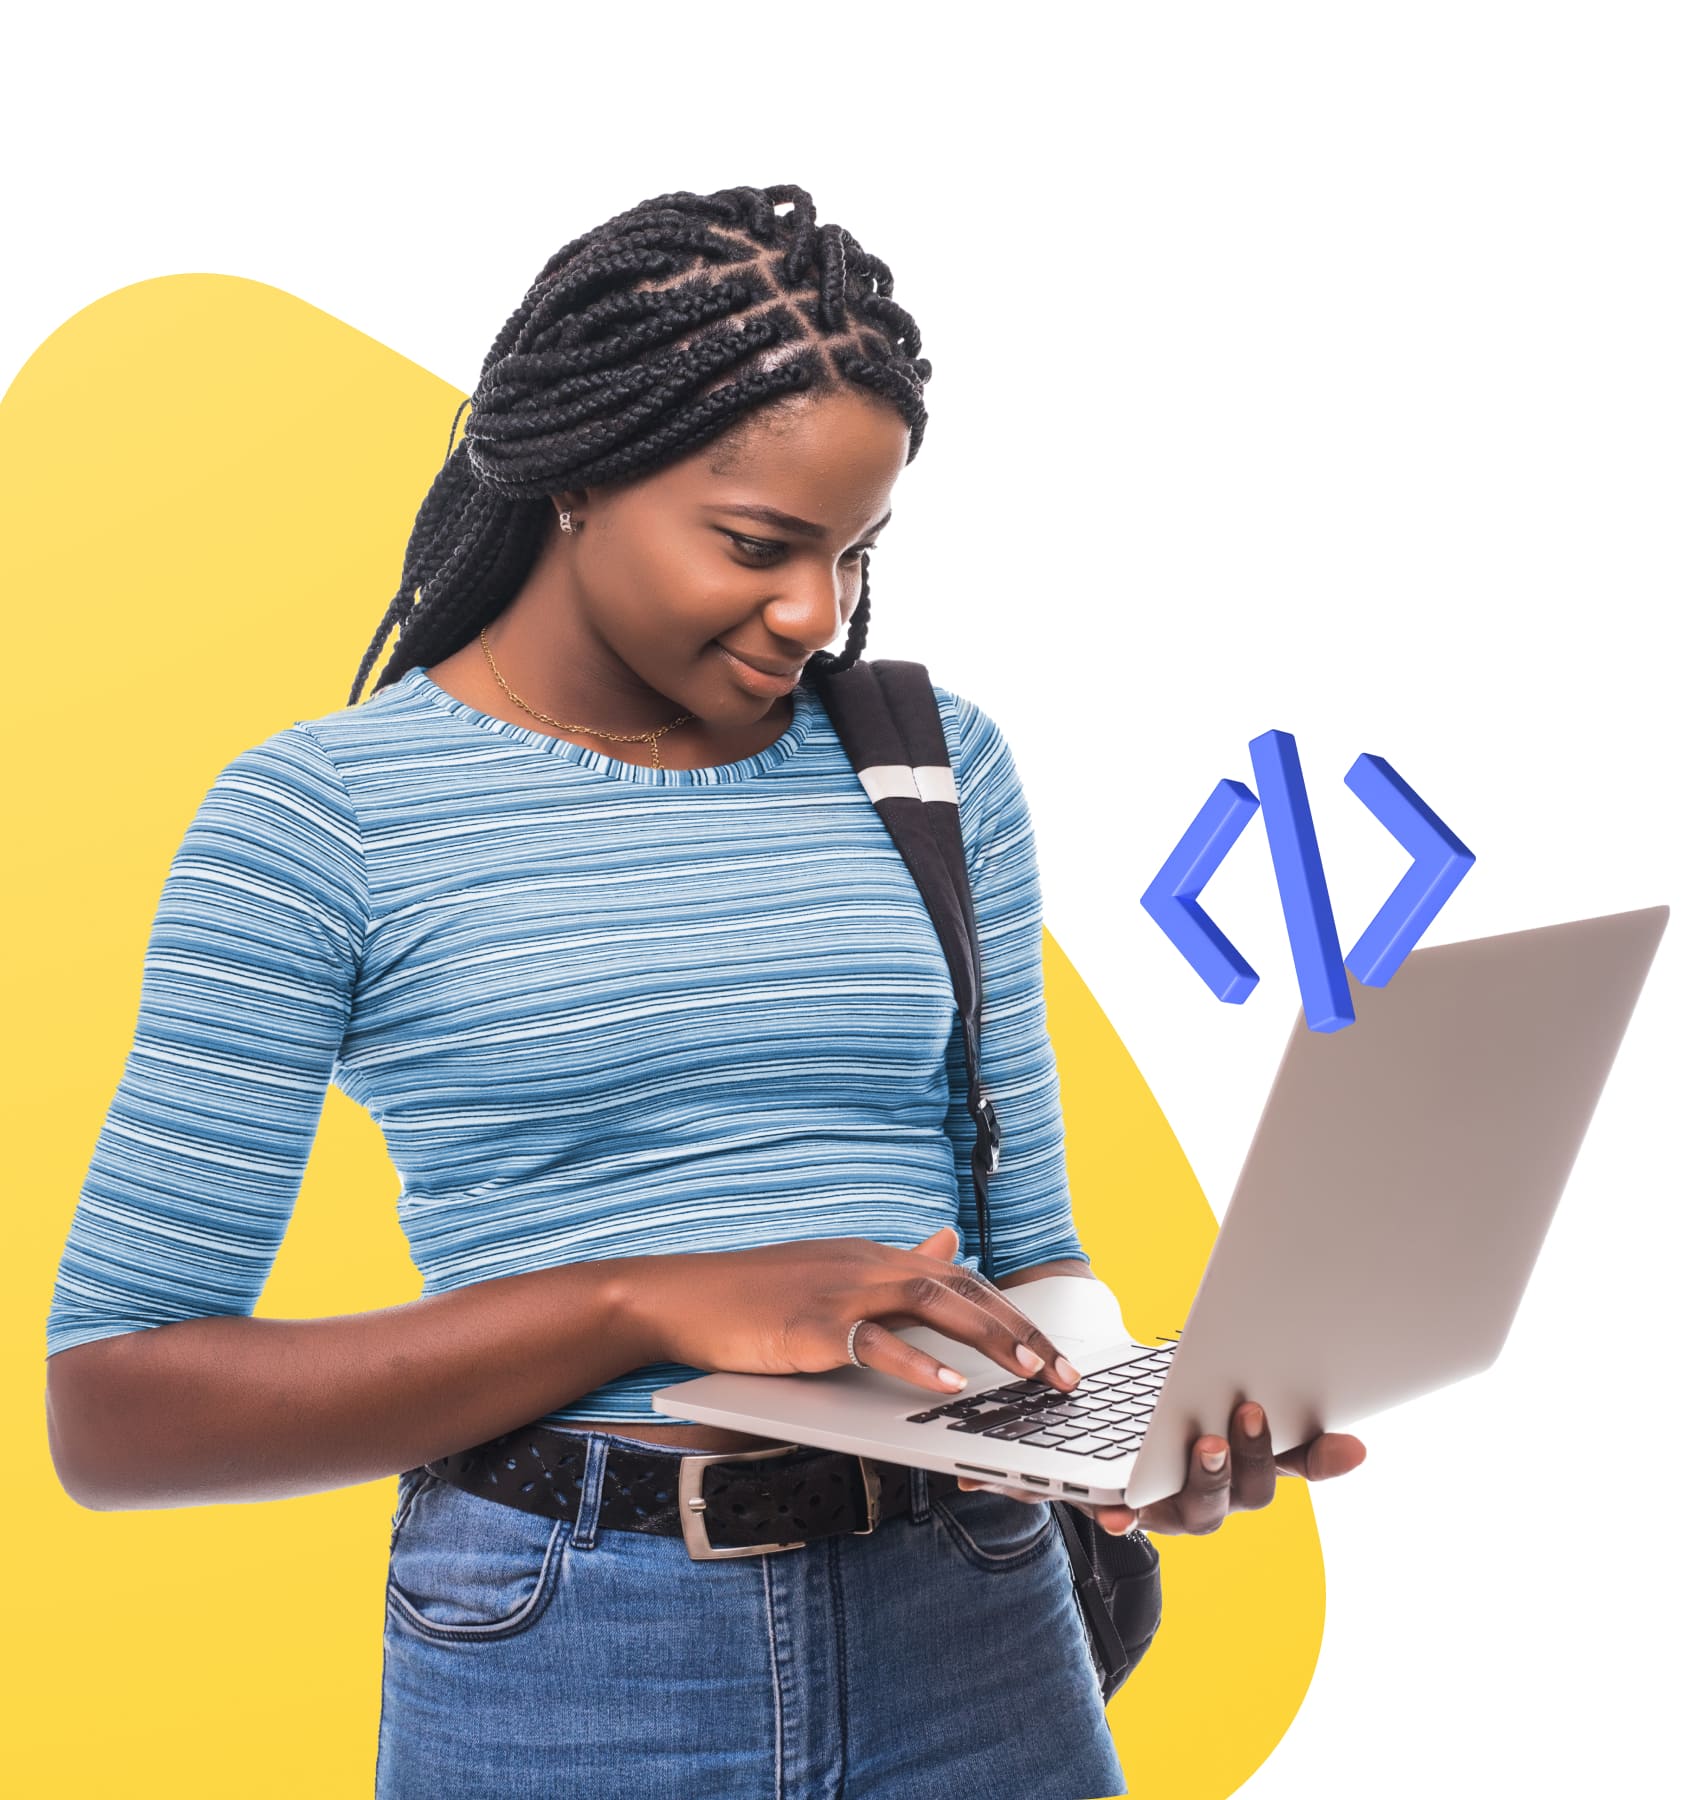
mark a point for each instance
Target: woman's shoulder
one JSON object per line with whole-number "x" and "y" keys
{"x": 314, "y": 762}
{"x": 294, "y": 797}
{"x": 975, "y": 741}
{"x": 984, "y": 772}
{"x": 287, "y": 772}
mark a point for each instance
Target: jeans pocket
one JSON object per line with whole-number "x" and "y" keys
{"x": 993, "y": 1532}
{"x": 468, "y": 1570}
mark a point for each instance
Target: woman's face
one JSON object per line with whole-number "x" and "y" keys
{"x": 671, "y": 573}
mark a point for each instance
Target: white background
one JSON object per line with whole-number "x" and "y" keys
{"x": 1329, "y": 368}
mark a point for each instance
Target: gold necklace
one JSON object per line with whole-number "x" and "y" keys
{"x": 615, "y": 737}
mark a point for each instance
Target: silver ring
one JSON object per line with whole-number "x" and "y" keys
{"x": 849, "y": 1337}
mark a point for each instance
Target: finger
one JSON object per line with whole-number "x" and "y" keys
{"x": 996, "y": 1301}
{"x": 942, "y": 1243}
{"x": 878, "y": 1348}
{"x": 1005, "y": 1331}
{"x": 1331, "y": 1453}
{"x": 1201, "y": 1504}
{"x": 1160, "y": 1516}
{"x": 958, "y": 1303}
{"x": 1056, "y": 1366}
{"x": 1205, "y": 1498}
{"x": 1116, "y": 1521}
{"x": 1254, "y": 1473}
{"x": 1011, "y": 1493}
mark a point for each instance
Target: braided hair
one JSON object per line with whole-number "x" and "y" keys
{"x": 675, "y": 323}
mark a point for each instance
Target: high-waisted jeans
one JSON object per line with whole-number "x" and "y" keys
{"x": 941, "y": 1657}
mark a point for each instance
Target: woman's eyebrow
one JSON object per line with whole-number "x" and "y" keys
{"x": 770, "y": 515}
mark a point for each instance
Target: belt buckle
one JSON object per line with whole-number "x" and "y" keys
{"x": 872, "y": 1499}
{"x": 693, "y": 1503}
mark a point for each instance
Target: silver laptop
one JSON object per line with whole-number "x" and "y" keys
{"x": 1388, "y": 1216}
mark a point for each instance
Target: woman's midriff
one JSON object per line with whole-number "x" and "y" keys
{"x": 715, "y": 1439}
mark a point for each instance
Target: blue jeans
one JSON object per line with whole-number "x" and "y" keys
{"x": 941, "y": 1657}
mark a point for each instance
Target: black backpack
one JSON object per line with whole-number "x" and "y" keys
{"x": 889, "y": 724}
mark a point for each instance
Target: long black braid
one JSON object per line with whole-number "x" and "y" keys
{"x": 635, "y": 345}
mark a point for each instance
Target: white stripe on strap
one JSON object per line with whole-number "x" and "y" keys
{"x": 935, "y": 782}
{"x": 932, "y": 781}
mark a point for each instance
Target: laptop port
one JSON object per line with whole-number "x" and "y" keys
{"x": 1038, "y": 1480}
{"x": 998, "y": 1474}
{"x": 1072, "y": 1488}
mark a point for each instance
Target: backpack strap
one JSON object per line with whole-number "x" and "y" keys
{"x": 889, "y": 724}
{"x": 911, "y": 700}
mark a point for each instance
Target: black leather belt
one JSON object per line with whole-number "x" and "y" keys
{"x": 737, "y": 1503}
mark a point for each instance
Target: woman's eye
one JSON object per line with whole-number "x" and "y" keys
{"x": 769, "y": 549}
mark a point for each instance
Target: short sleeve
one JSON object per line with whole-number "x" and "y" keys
{"x": 247, "y": 982}
{"x": 1029, "y": 1201}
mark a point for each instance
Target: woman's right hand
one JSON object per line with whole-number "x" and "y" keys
{"x": 785, "y": 1309}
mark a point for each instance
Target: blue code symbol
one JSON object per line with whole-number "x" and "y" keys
{"x": 1172, "y": 899}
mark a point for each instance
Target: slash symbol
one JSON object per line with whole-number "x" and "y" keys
{"x": 1172, "y": 898}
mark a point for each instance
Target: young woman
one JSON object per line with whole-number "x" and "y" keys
{"x": 586, "y": 905}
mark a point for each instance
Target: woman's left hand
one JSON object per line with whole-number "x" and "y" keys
{"x": 1244, "y": 1480}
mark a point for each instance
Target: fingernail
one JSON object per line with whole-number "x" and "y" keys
{"x": 1213, "y": 1460}
{"x": 952, "y": 1377}
{"x": 1066, "y": 1372}
{"x": 1253, "y": 1421}
{"x": 1028, "y": 1358}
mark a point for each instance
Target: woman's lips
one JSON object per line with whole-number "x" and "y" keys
{"x": 757, "y": 681}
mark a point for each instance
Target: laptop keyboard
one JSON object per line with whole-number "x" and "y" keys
{"x": 1104, "y": 1416}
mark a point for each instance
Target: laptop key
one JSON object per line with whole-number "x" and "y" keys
{"x": 1019, "y": 1428}
{"x": 982, "y": 1421}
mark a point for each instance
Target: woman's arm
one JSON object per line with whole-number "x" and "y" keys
{"x": 163, "y": 1389}
{"x": 1029, "y": 1201}
{"x": 207, "y": 1411}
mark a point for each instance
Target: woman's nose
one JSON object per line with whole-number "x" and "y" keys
{"x": 807, "y": 610}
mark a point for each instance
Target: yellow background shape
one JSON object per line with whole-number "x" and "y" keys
{"x": 208, "y": 485}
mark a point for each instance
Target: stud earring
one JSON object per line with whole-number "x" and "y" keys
{"x": 567, "y": 521}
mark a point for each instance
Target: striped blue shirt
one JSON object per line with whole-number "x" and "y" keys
{"x": 596, "y": 1009}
